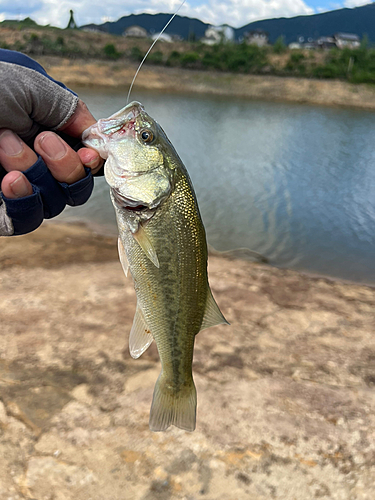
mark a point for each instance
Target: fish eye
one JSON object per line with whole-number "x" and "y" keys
{"x": 147, "y": 135}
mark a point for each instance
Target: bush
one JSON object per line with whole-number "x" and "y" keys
{"x": 212, "y": 60}
{"x": 155, "y": 57}
{"x": 111, "y": 52}
{"x": 174, "y": 58}
{"x": 60, "y": 41}
{"x": 295, "y": 63}
{"x": 136, "y": 54}
{"x": 327, "y": 71}
{"x": 189, "y": 58}
{"x": 279, "y": 46}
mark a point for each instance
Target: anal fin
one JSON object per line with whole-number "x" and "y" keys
{"x": 140, "y": 337}
{"x": 212, "y": 314}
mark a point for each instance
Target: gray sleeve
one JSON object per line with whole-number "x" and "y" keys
{"x": 30, "y": 100}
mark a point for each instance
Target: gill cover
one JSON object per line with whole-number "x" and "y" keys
{"x": 135, "y": 168}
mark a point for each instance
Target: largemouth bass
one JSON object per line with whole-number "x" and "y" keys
{"x": 163, "y": 242}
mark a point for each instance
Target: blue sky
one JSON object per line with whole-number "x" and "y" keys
{"x": 233, "y": 12}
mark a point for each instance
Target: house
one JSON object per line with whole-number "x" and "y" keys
{"x": 218, "y": 34}
{"x": 326, "y": 42}
{"x": 256, "y": 37}
{"x": 92, "y": 29}
{"x": 163, "y": 37}
{"x": 295, "y": 46}
{"x": 135, "y": 32}
{"x": 347, "y": 40}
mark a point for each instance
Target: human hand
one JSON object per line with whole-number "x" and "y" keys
{"x": 35, "y": 187}
{"x": 64, "y": 163}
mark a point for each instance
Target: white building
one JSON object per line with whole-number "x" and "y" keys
{"x": 218, "y": 34}
{"x": 349, "y": 40}
{"x": 135, "y": 32}
{"x": 256, "y": 37}
{"x": 164, "y": 37}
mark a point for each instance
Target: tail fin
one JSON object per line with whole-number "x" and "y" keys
{"x": 171, "y": 408}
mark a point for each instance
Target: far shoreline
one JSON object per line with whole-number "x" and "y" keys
{"x": 117, "y": 75}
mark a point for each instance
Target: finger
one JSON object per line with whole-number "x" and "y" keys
{"x": 63, "y": 162}
{"x": 14, "y": 153}
{"x": 91, "y": 159}
{"x": 80, "y": 121}
{"x": 15, "y": 185}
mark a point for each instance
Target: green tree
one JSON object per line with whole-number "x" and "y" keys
{"x": 279, "y": 46}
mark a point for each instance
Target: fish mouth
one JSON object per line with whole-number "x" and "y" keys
{"x": 127, "y": 203}
{"x": 122, "y": 122}
{"x": 130, "y": 111}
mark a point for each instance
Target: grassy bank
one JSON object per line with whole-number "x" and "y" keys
{"x": 353, "y": 65}
{"x": 98, "y": 59}
{"x": 115, "y": 76}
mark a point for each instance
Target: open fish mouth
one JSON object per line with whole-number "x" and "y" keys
{"x": 127, "y": 203}
{"x": 119, "y": 124}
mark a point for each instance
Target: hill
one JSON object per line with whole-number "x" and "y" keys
{"x": 154, "y": 23}
{"x": 360, "y": 20}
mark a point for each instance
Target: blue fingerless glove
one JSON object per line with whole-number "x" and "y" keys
{"x": 49, "y": 198}
{"x": 32, "y": 101}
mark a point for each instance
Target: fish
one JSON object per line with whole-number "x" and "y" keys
{"x": 162, "y": 241}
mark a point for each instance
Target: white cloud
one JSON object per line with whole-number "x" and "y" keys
{"x": 355, "y": 3}
{"x": 234, "y": 12}
{"x": 240, "y": 12}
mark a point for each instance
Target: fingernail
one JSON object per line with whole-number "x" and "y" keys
{"x": 20, "y": 187}
{"x": 91, "y": 163}
{"x": 10, "y": 143}
{"x": 53, "y": 146}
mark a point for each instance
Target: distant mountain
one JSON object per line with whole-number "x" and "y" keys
{"x": 154, "y": 23}
{"x": 360, "y": 20}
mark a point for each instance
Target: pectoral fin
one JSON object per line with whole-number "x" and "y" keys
{"x": 141, "y": 237}
{"x": 140, "y": 336}
{"x": 122, "y": 256}
{"x": 212, "y": 315}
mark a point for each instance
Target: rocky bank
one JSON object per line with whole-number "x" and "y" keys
{"x": 286, "y": 394}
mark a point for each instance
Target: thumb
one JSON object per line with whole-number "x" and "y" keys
{"x": 79, "y": 121}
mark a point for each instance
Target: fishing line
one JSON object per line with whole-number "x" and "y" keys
{"x": 149, "y": 50}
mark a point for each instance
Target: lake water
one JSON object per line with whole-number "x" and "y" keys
{"x": 294, "y": 183}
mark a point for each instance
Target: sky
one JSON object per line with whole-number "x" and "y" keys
{"x": 236, "y": 13}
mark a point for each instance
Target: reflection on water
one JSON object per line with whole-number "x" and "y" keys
{"x": 294, "y": 183}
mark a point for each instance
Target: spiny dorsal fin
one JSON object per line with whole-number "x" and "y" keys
{"x": 122, "y": 256}
{"x": 140, "y": 336}
{"x": 212, "y": 314}
{"x": 141, "y": 237}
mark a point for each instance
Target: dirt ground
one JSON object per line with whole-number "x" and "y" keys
{"x": 271, "y": 88}
{"x": 286, "y": 401}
